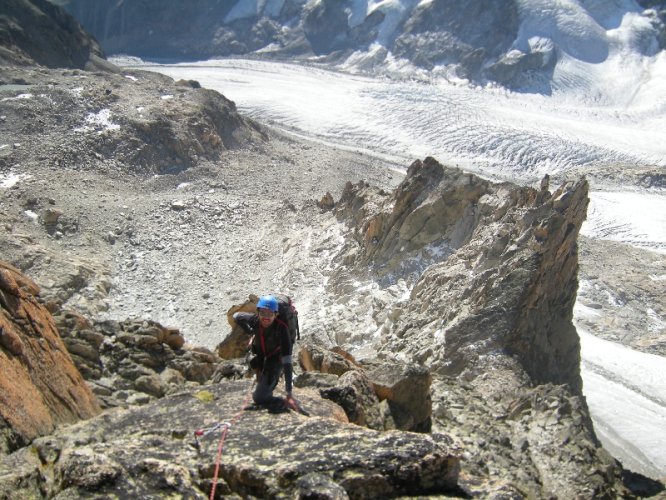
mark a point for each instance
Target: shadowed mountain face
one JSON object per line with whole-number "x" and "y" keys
{"x": 40, "y": 32}
{"x": 480, "y": 40}
{"x": 439, "y": 32}
{"x": 508, "y": 42}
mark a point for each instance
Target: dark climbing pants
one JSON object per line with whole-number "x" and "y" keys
{"x": 267, "y": 380}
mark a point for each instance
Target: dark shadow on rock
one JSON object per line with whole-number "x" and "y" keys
{"x": 642, "y": 486}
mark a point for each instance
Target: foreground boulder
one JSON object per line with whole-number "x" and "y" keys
{"x": 387, "y": 395}
{"x": 313, "y": 357}
{"x": 134, "y": 453}
{"x": 406, "y": 388}
{"x": 40, "y": 387}
{"x": 354, "y": 393}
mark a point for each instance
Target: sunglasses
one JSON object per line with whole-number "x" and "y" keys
{"x": 265, "y": 313}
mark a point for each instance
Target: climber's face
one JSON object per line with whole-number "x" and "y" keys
{"x": 266, "y": 316}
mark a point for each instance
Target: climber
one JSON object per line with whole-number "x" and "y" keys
{"x": 272, "y": 347}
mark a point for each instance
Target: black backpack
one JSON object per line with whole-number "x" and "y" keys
{"x": 288, "y": 314}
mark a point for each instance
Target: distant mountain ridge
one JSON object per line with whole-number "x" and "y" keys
{"x": 511, "y": 42}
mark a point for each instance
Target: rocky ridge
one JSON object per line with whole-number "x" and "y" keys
{"x": 508, "y": 286}
{"x": 493, "y": 270}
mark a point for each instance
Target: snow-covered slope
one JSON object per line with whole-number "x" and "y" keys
{"x": 489, "y": 131}
{"x": 626, "y": 393}
{"x": 637, "y": 217}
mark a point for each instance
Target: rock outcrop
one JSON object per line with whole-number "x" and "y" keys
{"x": 313, "y": 357}
{"x": 236, "y": 343}
{"x": 379, "y": 396}
{"x": 40, "y": 388}
{"x": 133, "y": 362}
{"x": 501, "y": 274}
{"x": 442, "y": 31}
{"x": 406, "y": 389}
{"x": 149, "y": 123}
{"x": 533, "y": 443}
{"x": 355, "y": 394}
{"x": 657, "y": 14}
{"x": 492, "y": 274}
{"x": 136, "y": 452}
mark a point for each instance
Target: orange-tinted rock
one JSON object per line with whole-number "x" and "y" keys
{"x": 235, "y": 345}
{"x": 39, "y": 385}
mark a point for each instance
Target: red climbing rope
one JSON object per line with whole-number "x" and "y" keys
{"x": 225, "y": 430}
{"x": 217, "y": 460}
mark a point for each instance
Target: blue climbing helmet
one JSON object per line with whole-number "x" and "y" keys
{"x": 268, "y": 302}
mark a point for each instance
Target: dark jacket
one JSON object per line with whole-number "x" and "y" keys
{"x": 272, "y": 347}
{"x": 273, "y": 344}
